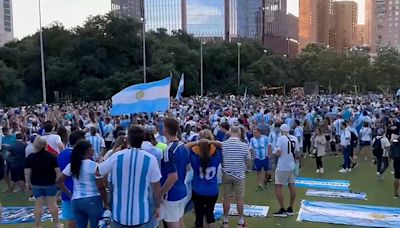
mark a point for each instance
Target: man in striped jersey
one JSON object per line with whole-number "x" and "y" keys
{"x": 133, "y": 173}
{"x": 97, "y": 143}
{"x": 236, "y": 155}
{"x": 259, "y": 145}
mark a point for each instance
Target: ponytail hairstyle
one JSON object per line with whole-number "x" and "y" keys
{"x": 205, "y": 156}
{"x": 78, "y": 155}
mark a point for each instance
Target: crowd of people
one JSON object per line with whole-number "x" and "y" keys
{"x": 141, "y": 170}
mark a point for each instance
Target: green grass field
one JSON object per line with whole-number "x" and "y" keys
{"x": 363, "y": 179}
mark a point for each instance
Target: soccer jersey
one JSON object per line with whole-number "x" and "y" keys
{"x": 175, "y": 159}
{"x": 97, "y": 143}
{"x": 260, "y": 147}
{"x": 63, "y": 160}
{"x": 205, "y": 182}
{"x": 85, "y": 186}
{"x": 298, "y": 132}
{"x": 132, "y": 172}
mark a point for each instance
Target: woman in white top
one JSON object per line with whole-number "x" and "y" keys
{"x": 319, "y": 143}
{"x": 89, "y": 192}
{"x": 365, "y": 136}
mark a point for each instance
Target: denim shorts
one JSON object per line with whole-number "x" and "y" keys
{"x": 44, "y": 191}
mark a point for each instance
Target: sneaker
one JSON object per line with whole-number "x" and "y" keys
{"x": 244, "y": 225}
{"x": 259, "y": 188}
{"x": 354, "y": 165}
{"x": 281, "y": 213}
{"x": 31, "y": 199}
{"x": 377, "y": 173}
{"x": 289, "y": 211}
{"x": 317, "y": 171}
{"x": 342, "y": 171}
{"x": 396, "y": 196}
{"x": 225, "y": 224}
{"x": 348, "y": 170}
{"x": 321, "y": 170}
{"x": 392, "y": 172}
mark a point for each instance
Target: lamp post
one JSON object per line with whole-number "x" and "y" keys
{"x": 42, "y": 55}
{"x": 144, "y": 47}
{"x": 201, "y": 69}
{"x": 238, "y": 45}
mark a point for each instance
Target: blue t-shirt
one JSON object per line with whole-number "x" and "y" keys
{"x": 220, "y": 136}
{"x": 205, "y": 183}
{"x": 63, "y": 159}
{"x": 175, "y": 162}
{"x": 9, "y": 140}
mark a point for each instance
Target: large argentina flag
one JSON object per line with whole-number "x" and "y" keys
{"x": 180, "y": 87}
{"x": 146, "y": 97}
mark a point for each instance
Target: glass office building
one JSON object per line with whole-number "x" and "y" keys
{"x": 206, "y": 18}
{"x": 165, "y": 14}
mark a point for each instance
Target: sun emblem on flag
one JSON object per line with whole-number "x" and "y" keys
{"x": 139, "y": 95}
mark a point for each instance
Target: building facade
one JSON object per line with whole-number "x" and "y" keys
{"x": 345, "y": 17}
{"x": 315, "y": 22}
{"x": 6, "y": 22}
{"x": 388, "y": 23}
{"x": 127, "y": 8}
{"x": 370, "y": 24}
{"x": 360, "y": 36}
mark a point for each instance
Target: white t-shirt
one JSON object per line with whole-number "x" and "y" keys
{"x": 298, "y": 132}
{"x": 345, "y": 137}
{"x": 366, "y": 134}
{"x": 52, "y": 142}
{"x": 385, "y": 145}
{"x": 85, "y": 186}
{"x": 286, "y": 160}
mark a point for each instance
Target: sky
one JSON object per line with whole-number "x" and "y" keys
{"x": 74, "y": 12}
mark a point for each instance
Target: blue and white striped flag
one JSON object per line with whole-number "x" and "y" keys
{"x": 358, "y": 122}
{"x": 146, "y": 97}
{"x": 180, "y": 87}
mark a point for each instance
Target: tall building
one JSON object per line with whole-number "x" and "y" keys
{"x": 387, "y": 21}
{"x": 264, "y": 20}
{"x": 127, "y": 8}
{"x": 360, "y": 35}
{"x": 6, "y": 22}
{"x": 370, "y": 24}
{"x": 315, "y": 22}
{"x": 345, "y": 33}
{"x": 206, "y": 18}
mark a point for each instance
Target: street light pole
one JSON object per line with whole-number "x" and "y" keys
{"x": 42, "y": 55}
{"x": 201, "y": 68}
{"x": 238, "y": 45}
{"x": 144, "y": 48}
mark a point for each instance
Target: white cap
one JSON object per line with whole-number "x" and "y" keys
{"x": 285, "y": 128}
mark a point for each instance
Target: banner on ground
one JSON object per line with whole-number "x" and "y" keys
{"x": 15, "y": 215}
{"x": 302, "y": 182}
{"x": 349, "y": 214}
{"x": 337, "y": 194}
{"x": 249, "y": 211}
{"x": 146, "y": 97}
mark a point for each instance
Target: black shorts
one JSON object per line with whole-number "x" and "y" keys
{"x": 17, "y": 174}
{"x": 396, "y": 166}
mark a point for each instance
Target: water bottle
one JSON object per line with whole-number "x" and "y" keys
{"x": 297, "y": 168}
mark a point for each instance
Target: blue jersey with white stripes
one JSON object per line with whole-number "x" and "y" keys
{"x": 260, "y": 146}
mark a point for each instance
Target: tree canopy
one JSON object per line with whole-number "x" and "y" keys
{"x": 104, "y": 55}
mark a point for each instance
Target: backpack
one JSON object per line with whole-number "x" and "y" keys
{"x": 354, "y": 139}
{"x": 377, "y": 147}
{"x": 395, "y": 150}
